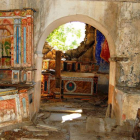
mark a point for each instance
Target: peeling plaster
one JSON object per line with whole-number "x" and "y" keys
{"x": 128, "y": 44}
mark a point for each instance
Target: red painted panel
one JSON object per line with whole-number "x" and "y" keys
{"x": 5, "y": 75}
{"x": 105, "y": 54}
{"x": 8, "y": 104}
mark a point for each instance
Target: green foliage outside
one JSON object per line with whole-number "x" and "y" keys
{"x": 7, "y": 46}
{"x": 65, "y": 37}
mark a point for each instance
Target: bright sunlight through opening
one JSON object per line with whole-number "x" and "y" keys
{"x": 70, "y": 117}
{"x": 67, "y": 36}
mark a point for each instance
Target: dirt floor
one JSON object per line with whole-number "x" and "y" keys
{"x": 66, "y": 120}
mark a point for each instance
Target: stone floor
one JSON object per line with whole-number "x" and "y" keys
{"x": 67, "y": 120}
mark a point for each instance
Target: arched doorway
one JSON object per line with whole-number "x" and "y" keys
{"x": 54, "y": 25}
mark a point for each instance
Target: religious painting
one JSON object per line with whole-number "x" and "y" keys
{"x": 102, "y": 53}
{"x": 45, "y": 64}
{"x": 105, "y": 54}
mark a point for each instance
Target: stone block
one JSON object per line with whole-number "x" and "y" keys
{"x": 126, "y": 128}
{"x": 95, "y": 124}
{"x": 100, "y": 124}
{"x": 109, "y": 124}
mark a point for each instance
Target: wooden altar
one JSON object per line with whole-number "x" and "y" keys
{"x": 73, "y": 83}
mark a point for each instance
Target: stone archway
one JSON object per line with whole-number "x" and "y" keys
{"x": 54, "y": 25}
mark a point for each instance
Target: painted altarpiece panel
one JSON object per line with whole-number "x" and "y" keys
{"x": 16, "y": 40}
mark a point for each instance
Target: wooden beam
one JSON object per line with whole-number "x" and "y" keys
{"x": 58, "y": 69}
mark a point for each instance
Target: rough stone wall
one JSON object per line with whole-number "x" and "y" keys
{"x": 128, "y": 43}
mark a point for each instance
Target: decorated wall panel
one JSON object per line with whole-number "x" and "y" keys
{"x": 16, "y": 65}
{"x": 16, "y": 44}
{"x": 24, "y": 103}
{"x": 7, "y": 110}
{"x": 102, "y": 53}
{"x": 71, "y": 85}
{"x": 16, "y": 105}
{"x": 9, "y": 106}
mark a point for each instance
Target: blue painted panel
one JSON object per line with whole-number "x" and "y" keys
{"x": 24, "y": 44}
{"x": 24, "y": 104}
{"x": 70, "y": 86}
{"x": 103, "y": 65}
{"x": 99, "y": 40}
{"x": 24, "y": 77}
{"x": 15, "y": 76}
{"x": 17, "y": 45}
{"x": 1, "y": 98}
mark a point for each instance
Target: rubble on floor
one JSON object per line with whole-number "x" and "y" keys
{"x": 72, "y": 119}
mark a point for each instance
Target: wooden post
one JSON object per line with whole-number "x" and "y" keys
{"x": 58, "y": 69}
{"x": 95, "y": 79}
{"x": 62, "y": 90}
